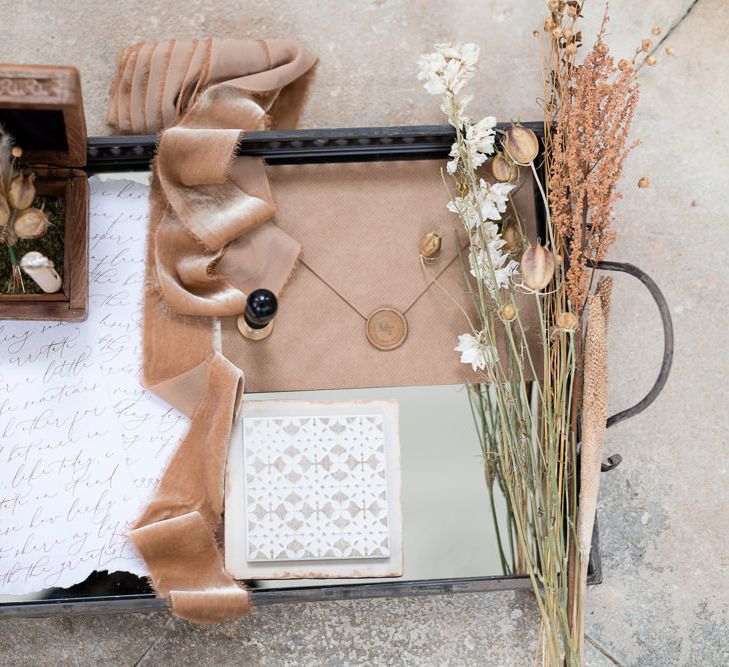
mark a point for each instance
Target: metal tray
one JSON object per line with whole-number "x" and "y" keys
{"x": 118, "y": 591}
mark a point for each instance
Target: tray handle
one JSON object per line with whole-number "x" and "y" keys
{"x": 623, "y": 267}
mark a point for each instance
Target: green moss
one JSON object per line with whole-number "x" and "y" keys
{"x": 50, "y": 244}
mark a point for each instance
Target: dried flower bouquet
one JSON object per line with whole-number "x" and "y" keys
{"x": 529, "y": 431}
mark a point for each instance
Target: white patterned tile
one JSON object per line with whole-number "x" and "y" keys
{"x": 313, "y": 490}
{"x": 316, "y": 487}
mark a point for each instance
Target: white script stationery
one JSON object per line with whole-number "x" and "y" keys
{"x": 82, "y": 444}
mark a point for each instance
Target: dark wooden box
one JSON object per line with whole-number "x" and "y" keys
{"x": 42, "y": 107}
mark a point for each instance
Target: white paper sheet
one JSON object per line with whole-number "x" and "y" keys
{"x": 81, "y": 443}
{"x": 150, "y": 429}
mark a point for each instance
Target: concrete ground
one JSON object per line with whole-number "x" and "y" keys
{"x": 663, "y": 512}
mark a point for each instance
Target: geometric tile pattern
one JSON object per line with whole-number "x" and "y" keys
{"x": 316, "y": 487}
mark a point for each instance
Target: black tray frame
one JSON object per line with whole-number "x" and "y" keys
{"x": 369, "y": 144}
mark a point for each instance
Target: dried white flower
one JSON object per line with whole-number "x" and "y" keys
{"x": 475, "y": 351}
{"x": 482, "y": 135}
{"x": 467, "y": 209}
{"x": 452, "y": 165}
{"x": 448, "y": 68}
{"x": 478, "y": 142}
{"x": 488, "y": 263}
{"x": 455, "y": 109}
{"x": 494, "y": 268}
{"x": 494, "y": 197}
{"x": 489, "y": 203}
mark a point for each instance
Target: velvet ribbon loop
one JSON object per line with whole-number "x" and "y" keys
{"x": 210, "y": 243}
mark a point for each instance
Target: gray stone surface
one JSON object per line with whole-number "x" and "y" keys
{"x": 663, "y": 513}
{"x": 367, "y": 48}
{"x": 490, "y": 630}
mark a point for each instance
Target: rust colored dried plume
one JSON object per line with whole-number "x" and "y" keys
{"x": 589, "y": 146}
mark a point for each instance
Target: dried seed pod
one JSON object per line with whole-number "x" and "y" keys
{"x": 521, "y": 144}
{"x": 21, "y": 194}
{"x": 537, "y": 267}
{"x": 503, "y": 169}
{"x": 17, "y": 152}
{"x": 644, "y": 182}
{"x": 651, "y": 60}
{"x": 567, "y": 321}
{"x": 646, "y": 45}
{"x": 512, "y": 236}
{"x": 4, "y": 212}
{"x": 430, "y": 245}
{"x": 31, "y": 224}
{"x": 507, "y": 312}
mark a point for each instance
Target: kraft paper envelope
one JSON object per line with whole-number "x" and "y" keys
{"x": 360, "y": 226}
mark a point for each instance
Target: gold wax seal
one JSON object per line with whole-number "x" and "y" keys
{"x": 387, "y": 328}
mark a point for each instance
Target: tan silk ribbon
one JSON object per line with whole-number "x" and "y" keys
{"x": 205, "y": 92}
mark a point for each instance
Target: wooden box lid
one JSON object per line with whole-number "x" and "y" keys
{"x": 42, "y": 107}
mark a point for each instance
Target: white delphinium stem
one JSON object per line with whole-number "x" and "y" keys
{"x": 445, "y": 72}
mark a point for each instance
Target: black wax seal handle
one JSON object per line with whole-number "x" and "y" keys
{"x": 261, "y": 307}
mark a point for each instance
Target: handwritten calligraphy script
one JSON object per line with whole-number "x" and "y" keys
{"x": 82, "y": 444}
